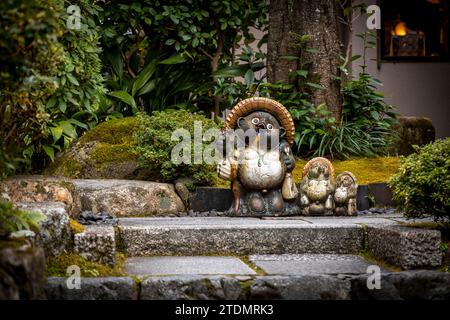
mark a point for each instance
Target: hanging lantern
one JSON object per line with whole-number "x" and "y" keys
{"x": 400, "y": 29}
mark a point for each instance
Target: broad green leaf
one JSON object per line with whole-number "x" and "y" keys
{"x": 49, "y": 151}
{"x": 51, "y": 103}
{"x": 142, "y": 78}
{"x": 148, "y": 87}
{"x": 249, "y": 77}
{"x": 56, "y": 133}
{"x": 314, "y": 85}
{"x": 68, "y": 129}
{"x": 63, "y": 106}
{"x": 175, "y": 59}
{"x": 72, "y": 79}
{"x": 78, "y": 123}
{"x": 125, "y": 97}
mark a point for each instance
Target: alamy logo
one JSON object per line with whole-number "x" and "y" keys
{"x": 74, "y": 277}
{"x": 374, "y": 19}
{"x": 374, "y": 279}
{"x": 74, "y": 20}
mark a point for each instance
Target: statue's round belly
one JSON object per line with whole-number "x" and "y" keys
{"x": 262, "y": 173}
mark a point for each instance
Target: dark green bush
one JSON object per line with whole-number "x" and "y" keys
{"x": 51, "y": 83}
{"x": 422, "y": 184}
{"x": 154, "y": 146}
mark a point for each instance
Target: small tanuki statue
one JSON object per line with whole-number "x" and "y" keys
{"x": 320, "y": 195}
{"x": 345, "y": 194}
{"x": 260, "y": 167}
{"x": 317, "y": 187}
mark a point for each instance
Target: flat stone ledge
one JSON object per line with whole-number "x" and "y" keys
{"x": 114, "y": 196}
{"x": 127, "y": 197}
{"x": 192, "y": 288}
{"x": 408, "y": 248}
{"x": 108, "y": 288}
{"x": 295, "y": 264}
{"x": 200, "y": 265}
{"x": 97, "y": 243}
{"x": 240, "y": 236}
{"x": 54, "y": 234}
{"x": 300, "y": 287}
{"x": 421, "y": 284}
{"x": 406, "y": 285}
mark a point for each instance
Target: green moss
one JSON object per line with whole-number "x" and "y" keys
{"x": 16, "y": 243}
{"x": 247, "y": 261}
{"x": 111, "y": 132}
{"x": 57, "y": 266}
{"x": 107, "y": 153}
{"x": 106, "y": 145}
{"x": 76, "y": 227}
{"x": 367, "y": 255}
{"x": 69, "y": 168}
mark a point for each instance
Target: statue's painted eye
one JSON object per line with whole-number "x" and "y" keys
{"x": 255, "y": 120}
{"x": 269, "y": 126}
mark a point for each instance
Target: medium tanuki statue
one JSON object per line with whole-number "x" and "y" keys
{"x": 256, "y": 144}
{"x": 317, "y": 187}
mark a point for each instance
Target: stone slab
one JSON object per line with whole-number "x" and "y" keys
{"x": 310, "y": 264}
{"x": 97, "y": 243}
{"x": 54, "y": 234}
{"x": 107, "y": 288}
{"x": 406, "y": 285}
{"x": 239, "y": 236}
{"x": 408, "y": 248}
{"x": 192, "y": 287}
{"x": 114, "y": 196}
{"x": 300, "y": 287}
{"x": 127, "y": 197}
{"x": 422, "y": 284}
{"x": 195, "y": 265}
{"x": 208, "y": 199}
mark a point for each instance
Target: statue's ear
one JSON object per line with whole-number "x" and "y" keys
{"x": 241, "y": 123}
{"x": 282, "y": 132}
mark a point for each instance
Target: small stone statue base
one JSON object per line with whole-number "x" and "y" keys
{"x": 270, "y": 203}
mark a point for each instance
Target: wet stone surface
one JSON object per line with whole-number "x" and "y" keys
{"x": 90, "y": 218}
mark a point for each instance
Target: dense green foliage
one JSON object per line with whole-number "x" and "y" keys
{"x": 50, "y": 81}
{"x": 422, "y": 184}
{"x": 154, "y": 144}
{"x": 197, "y": 35}
{"x": 12, "y": 220}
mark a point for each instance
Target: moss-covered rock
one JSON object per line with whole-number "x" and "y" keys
{"x": 103, "y": 152}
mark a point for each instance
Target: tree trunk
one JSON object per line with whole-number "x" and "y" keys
{"x": 318, "y": 18}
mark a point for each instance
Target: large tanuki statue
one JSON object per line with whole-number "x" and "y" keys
{"x": 256, "y": 144}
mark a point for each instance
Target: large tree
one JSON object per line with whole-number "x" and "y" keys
{"x": 320, "y": 19}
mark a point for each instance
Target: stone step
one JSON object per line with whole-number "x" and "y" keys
{"x": 420, "y": 284}
{"x": 191, "y": 265}
{"x": 243, "y": 236}
{"x": 285, "y": 264}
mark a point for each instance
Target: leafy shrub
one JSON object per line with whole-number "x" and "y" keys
{"x": 51, "y": 83}
{"x": 12, "y": 220}
{"x": 136, "y": 33}
{"x": 422, "y": 184}
{"x": 154, "y": 146}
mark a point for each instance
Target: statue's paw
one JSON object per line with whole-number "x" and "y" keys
{"x": 227, "y": 170}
